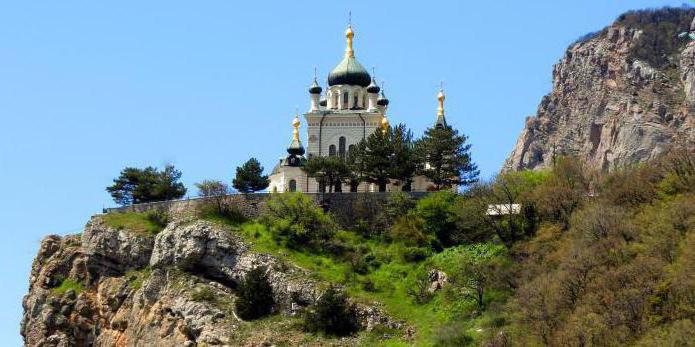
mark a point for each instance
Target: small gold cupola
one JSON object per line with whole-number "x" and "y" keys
{"x": 384, "y": 124}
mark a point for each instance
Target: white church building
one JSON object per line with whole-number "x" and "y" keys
{"x": 352, "y": 108}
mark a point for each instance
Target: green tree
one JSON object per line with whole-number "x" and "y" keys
{"x": 255, "y": 295}
{"x": 328, "y": 171}
{"x": 444, "y": 158}
{"x": 249, "y": 177}
{"x": 403, "y": 159}
{"x": 377, "y": 158}
{"x": 479, "y": 268}
{"x": 438, "y": 214}
{"x": 355, "y": 165}
{"x": 215, "y": 191}
{"x": 135, "y": 186}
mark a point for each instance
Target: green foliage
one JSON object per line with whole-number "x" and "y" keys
{"x": 444, "y": 157}
{"x": 403, "y": 162}
{"x": 453, "y": 334}
{"x": 66, "y": 285}
{"x": 332, "y": 315}
{"x": 142, "y": 223}
{"x": 255, "y": 295}
{"x": 135, "y": 186}
{"x": 249, "y": 177}
{"x": 438, "y": 216}
{"x": 330, "y": 171}
{"x": 376, "y": 154}
{"x": 295, "y": 218}
{"x": 410, "y": 231}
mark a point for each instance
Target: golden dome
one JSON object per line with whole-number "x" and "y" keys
{"x": 349, "y": 33}
{"x": 384, "y": 124}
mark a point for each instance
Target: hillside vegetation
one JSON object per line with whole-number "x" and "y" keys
{"x": 591, "y": 259}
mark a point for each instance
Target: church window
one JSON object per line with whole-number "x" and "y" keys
{"x": 331, "y": 150}
{"x": 293, "y": 186}
{"x": 345, "y": 100}
{"x": 341, "y": 147}
{"x": 355, "y": 102}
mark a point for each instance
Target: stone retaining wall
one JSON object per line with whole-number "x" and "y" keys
{"x": 344, "y": 206}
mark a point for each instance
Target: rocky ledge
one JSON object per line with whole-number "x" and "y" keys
{"x": 111, "y": 287}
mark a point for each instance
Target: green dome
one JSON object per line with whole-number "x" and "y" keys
{"x": 349, "y": 71}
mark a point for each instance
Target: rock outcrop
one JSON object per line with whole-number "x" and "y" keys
{"x": 620, "y": 96}
{"x": 172, "y": 289}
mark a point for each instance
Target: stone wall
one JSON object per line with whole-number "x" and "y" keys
{"x": 346, "y": 207}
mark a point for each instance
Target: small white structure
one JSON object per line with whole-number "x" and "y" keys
{"x": 503, "y": 210}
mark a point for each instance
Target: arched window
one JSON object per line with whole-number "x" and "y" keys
{"x": 331, "y": 150}
{"x": 293, "y": 186}
{"x": 341, "y": 147}
{"x": 345, "y": 100}
{"x": 355, "y": 102}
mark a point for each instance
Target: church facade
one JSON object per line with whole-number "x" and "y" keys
{"x": 351, "y": 108}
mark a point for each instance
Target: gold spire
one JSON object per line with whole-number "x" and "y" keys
{"x": 349, "y": 34}
{"x": 441, "y": 97}
{"x": 295, "y": 124}
{"x": 384, "y": 124}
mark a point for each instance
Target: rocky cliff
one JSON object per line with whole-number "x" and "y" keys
{"x": 118, "y": 287}
{"x": 620, "y": 96}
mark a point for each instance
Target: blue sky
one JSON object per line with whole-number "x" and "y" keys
{"x": 87, "y": 88}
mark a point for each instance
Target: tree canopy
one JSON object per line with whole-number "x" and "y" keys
{"x": 444, "y": 157}
{"x": 135, "y": 186}
{"x": 249, "y": 177}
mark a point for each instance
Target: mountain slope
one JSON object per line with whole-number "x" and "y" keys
{"x": 620, "y": 96}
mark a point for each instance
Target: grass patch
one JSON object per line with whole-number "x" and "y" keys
{"x": 141, "y": 223}
{"x": 66, "y": 285}
{"x": 137, "y": 277}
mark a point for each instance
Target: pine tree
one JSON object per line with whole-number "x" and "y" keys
{"x": 135, "y": 186}
{"x": 443, "y": 156}
{"x": 355, "y": 165}
{"x": 255, "y": 295}
{"x": 377, "y": 158}
{"x": 249, "y": 177}
{"x": 403, "y": 160}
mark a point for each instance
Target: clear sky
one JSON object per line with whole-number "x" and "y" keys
{"x": 87, "y": 88}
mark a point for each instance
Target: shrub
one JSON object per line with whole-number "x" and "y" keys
{"x": 332, "y": 315}
{"x": 295, "y": 217}
{"x": 452, "y": 335}
{"x": 255, "y": 295}
{"x": 419, "y": 290}
{"x": 563, "y": 192}
{"x": 438, "y": 216}
{"x": 409, "y": 230}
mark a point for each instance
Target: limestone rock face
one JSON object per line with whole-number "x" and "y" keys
{"x": 611, "y": 105}
{"x": 138, "y": 290}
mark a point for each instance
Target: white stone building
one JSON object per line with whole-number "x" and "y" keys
{"x": 351, "y": 109}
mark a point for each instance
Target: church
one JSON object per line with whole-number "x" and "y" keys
{"x": 352, "y": 108}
